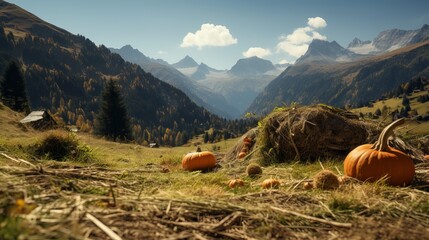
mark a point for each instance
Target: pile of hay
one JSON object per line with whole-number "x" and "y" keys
{"x": 312, "y": 132}
{"x": 305, "y": 133}
{"x": 235, "y": 150}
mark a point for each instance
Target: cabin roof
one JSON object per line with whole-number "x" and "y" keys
{"x": 33, "y": 117}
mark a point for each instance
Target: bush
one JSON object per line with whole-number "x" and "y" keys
{"x": 62, "y": 147}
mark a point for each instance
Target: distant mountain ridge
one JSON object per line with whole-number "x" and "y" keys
{"x": 251, "y": 66}
{"x": 186, "y": 62}
{"x": 356, "y": 42}
{"x": 202, "y": 96}
{"x": 349, "y": 83}
{"x": 324, "y": 51}
{"x": 239, "y": 85}
{"x": 389, "y": 40}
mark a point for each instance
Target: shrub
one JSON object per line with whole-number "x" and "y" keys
{"x": 61, "y": 147}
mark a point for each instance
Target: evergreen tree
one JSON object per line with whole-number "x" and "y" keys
{"x": 12, "y": 89}
{"x": 405, "y": 100}
{"x": 206, "y": 137}
{"x": 112, "y": 120}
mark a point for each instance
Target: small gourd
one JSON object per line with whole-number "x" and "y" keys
{"x": 241, "y": 155}
{"x": 270, "y": 183}
{"x": 235, "y": 183}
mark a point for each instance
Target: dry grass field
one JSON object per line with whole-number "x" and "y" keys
{"x": 125, "y": 191}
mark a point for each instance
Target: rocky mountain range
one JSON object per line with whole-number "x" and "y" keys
{"x": 324, "y": 51}
{"x": 224, "y": 92}
{"x": 389, "y": 40}
{"x": 200, "y": 94}
{"x": 344, "y": 83}
{"x": 239, "y": 85}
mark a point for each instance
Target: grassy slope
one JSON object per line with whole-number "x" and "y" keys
{"x": 392, "y": 104}
{"x": 149, "y": 203}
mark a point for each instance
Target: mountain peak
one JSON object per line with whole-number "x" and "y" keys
{"x": 186, "y": 62}
{"x": 321, "y": 50}
{"x": 128, "y": 53}
{"x": 127, "y": 47}
{"x": 252, "y": 66}
{"x": 356, "y": 42}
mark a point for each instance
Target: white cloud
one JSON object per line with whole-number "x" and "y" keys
{"x": 296, "y": 43}
{"x": 284, "y": 61}
{"x": 316, "y": 22}
{"x": 160, "y": 52}
{"x": 209, "y": 35}
{"x": 257, "y": 51}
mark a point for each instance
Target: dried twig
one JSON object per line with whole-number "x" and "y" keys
{"x": 333, "y": 223}
{"x": 18, "y": 160}
{"x": 103, "y": 227}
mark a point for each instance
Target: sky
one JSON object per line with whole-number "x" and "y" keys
{"x": 220, "y": 32}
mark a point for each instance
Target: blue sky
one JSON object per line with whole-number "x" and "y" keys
{"x": 219, "y": 32}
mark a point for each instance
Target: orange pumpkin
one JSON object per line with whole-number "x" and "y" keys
{"x": 427, "y": 157}
{"x": 247, "y": 141}
{"x": 235, "y": 183}
{"x": 242, "y": 155}
{"x": 198, "y": 161}
{"x": 372, "y": 162}
{"x": 308, "y": 185}
{"x": 270, "y": 183}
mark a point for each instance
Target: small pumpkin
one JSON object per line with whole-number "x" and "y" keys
{"x": 270, "y": 183}
{"x": 427, "y": 157}
{"x": 242, "y": 155}
{"x": 235, "y": 183}
{"x": 307, "y": 185}
{"x": 372, "y": 162}
{"x": 198, "y": 161}
{"x": 247, "y": 141}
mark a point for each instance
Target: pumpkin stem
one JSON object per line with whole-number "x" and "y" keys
{"x": 382, "y": 142}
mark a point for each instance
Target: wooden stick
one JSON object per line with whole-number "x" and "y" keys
{"x": 333, "y": 223}
{"x": 103, "y": 227}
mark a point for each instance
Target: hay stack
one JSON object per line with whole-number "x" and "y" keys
{"x": 312, "y": 132}
{"x": 234, "y": 151}
{"x": 309, "y": 133}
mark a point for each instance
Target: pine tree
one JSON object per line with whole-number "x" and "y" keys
{"x": 12, "y": 89}
{"x": 206, "y": 137}
{"x": 112, "y": 120}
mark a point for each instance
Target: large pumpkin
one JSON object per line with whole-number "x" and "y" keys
{"x": 198, "y": 161}
{"x": 372, "y": 162}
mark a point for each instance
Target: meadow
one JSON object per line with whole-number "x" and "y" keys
{"x": 110, "y": 190}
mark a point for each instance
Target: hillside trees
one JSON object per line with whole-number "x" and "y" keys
{"x": 112, "y": 120}
{"x": 12, "y": 89}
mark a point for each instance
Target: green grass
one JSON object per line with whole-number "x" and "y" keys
{"x": 411, "y": 127}
{"x": 393, "y": 104}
